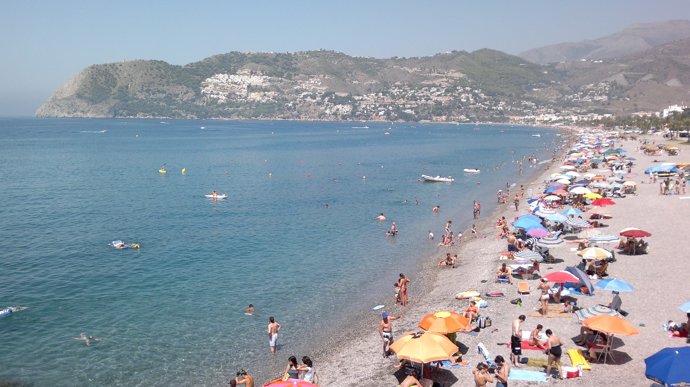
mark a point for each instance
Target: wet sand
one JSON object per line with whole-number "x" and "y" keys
{"x": 355, "y": 356}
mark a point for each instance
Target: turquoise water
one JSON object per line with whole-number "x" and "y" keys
{"x": 296, "y": 237}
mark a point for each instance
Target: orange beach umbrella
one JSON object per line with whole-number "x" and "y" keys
{"x": 424, "y": 347}
{"x": 611, "y": 325}
{"x": 445, "y": 322}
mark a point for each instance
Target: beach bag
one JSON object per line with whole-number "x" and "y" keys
{"x": 483, "y": 322}
{"x": 572, "y": 372}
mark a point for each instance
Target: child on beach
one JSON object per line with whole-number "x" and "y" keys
{"x": 396, "y": 286}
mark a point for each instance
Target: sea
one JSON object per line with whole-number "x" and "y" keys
{"x": 296, "y": 236}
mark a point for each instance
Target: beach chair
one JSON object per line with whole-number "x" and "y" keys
{"x": 523, "y": 287}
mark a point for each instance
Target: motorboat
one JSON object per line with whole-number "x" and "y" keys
{"x": 471, "y": 170}
{"x": 438, "y": 179}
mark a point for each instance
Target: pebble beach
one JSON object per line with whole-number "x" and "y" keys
{"x": 660, "y": 282}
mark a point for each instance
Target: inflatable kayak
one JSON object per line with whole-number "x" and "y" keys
{"x": 9, "y": 310}
{"x": 219, "y": 196}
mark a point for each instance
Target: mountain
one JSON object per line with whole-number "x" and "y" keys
{"x": 305, "y": 85}
{"x": 484, "y": 85}
{"x": 631, "y": 40}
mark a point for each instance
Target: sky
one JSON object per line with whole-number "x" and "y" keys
{"x": 44, "y": 43}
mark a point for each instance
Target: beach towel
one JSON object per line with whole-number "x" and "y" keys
{"x": 448, "y": 364}
{"x": 577, "y": 359}
{"x": 530, "y": 376}
{"x": 539, "y": 363}
{"x": 526, "y": 346}
{"x": 495, "y": 294}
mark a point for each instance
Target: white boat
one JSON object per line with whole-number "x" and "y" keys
{"x": 438, "y": 179}
{"x": 216, "y": 196}
{"x": 471, "y": 170}
{"x": 360, "y": 127}
{"x": 536, "y": 135}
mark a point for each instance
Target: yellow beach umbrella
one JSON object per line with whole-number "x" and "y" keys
{"x": 424, "y": 347}
{"x": 592, "y": 195}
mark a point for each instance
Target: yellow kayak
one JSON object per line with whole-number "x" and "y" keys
{"x": 162, "y": 171}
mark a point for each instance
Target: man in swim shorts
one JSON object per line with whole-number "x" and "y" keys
{"x": 273, "y": 328}
{"x": 515, "y": 338}
{"x": 386, "y": 332}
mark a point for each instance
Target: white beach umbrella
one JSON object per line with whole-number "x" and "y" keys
{"x": 567, "y": 167}
{"x": 552, "y": 198}
{"x": 580, "y": 190}
{"x": 572, "y": 173}
{"x": 563, "y": 181}
{"x": 589, "y": 175}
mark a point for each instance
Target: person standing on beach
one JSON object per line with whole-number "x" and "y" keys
{"x": 516, "y": 201}
{"x": 273, "y": 328}
{"x": 386, "y": 332}
{"x": 544, "y": 296}
{"x": 403, "y": 281}
{"x": 515, "y": 339}
{"x": 554, "y": 351}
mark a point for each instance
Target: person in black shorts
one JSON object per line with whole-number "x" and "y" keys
{"x": 515, "y": 339}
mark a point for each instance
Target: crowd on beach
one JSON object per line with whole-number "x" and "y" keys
{"x": 537, "y": 223}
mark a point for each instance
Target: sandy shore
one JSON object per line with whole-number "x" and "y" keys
{"x": 661, "y": 286}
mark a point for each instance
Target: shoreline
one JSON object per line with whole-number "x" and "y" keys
{"x": 363, "y": 346}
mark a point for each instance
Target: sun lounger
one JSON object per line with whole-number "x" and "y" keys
{"x": 523, "y": 287}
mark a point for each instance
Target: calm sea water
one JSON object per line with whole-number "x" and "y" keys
{"x": 296, "y": 237}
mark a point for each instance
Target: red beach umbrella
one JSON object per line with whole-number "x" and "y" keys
{"x": 635, "y": 233}
{"x": 560, "y": 277}
{"x": 603, "y": 202}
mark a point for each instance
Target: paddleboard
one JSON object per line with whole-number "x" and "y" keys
{"x": 223, "y": 196}
{"x": 248, "y": 314}
{"x": 378, "y": 307}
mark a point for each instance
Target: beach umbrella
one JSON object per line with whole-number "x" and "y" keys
{"x": 538, "y": 232}
{"x": 582, "y": 182}
{"x": 589, "y": 175}
{"x": 594, "y": 253}
{"x": 557, "y": 218}
{"x": 563, "y": 181}
{"x": 578, "y": 223}
{"x": 550, "y": 242}
{"x": 567, "y": 167}
{"x": 611, "y": 325}
{"x": 424, "y": 347}
{"x": 551, "y": 189}
{"x": 615, "y": 285}
{"x": 572, "y": 174}
{"x": 525, "y": 223}
{"x": 588, "y": 233}
{"x": 552, "y": 198}
{"x": 571, "y": 211}
{"x": 685, "y": 307}
{"x": 603, "y": 202}
{"x": 561, "y": 277}
{"x": 592, "y": 195}
{"x": 669, "y": 367}
{"x": 560, "y": 192}
{"x": 597, "y": 310}
{"x": 529, "y": 255}
{"x": 604, "y": 239}
{"x": 637, "y": 233}
{"x": 445, "y": 322}
{"x": 582, "y": 276}
{"x": 289, "y": 383}
{"x": 580, "y": 191}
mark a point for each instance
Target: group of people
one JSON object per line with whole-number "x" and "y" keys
{"x": 552, "y": 346}
{"x": 305, "y": 371}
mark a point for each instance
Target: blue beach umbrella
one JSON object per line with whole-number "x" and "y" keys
{"x": 669, "y": 366}
{"x": 614, "y": 285}
{"x": 557, "y": 218}
{"x": 685, "y": 307}
{"x": 571, "y": 211}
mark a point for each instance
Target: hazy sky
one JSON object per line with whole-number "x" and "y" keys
{"x": 45, "y": 43}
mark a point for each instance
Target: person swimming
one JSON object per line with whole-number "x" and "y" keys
{"x": 86, "y": 339}
{"x": 249, "y": 309}
{"x": 381, "y": 217}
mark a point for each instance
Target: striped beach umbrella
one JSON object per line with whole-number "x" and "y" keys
{"x": 550, "y": 242}
{"x": 607, "y": 238}
{"x": 529, "y": 254}
{"x": 597, "y": 310}
{"x": 579, "y": 223}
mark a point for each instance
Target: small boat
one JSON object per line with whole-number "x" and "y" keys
{"x": 8, "y": 311}
{"x": 360, "y": 127}
{"x": 471, "y": 170}
{"x": 216, "y": 196}
{"x": 438, "y": 179}
{"x": 536, "y": 135}
{"x": 162, "y": 171}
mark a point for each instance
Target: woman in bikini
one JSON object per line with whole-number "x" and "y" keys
{"x": 544, "y": 298}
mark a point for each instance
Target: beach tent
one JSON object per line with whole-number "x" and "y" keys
{"x": 582, "y": 276}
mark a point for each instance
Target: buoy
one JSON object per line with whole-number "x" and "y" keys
{"x": 184, "y": 171}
